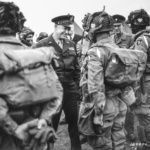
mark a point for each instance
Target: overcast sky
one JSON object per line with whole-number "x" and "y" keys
{"x": 40, "y": 12}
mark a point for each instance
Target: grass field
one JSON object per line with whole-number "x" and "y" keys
{"x": 64, "y": 142}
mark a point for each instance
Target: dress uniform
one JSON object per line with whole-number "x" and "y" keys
{"x": 123, "y": 40}
{"x": 68, "y": 72}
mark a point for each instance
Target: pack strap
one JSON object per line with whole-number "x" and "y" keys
{"x": 145, "y": 40}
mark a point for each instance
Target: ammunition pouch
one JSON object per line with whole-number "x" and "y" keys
{"x": 128, "y": 96}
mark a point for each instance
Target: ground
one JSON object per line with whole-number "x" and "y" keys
{"x": 64, "y": 142}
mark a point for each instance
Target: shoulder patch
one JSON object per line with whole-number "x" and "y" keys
{"x": 138, "y": 42}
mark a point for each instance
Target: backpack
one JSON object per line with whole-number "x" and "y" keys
{"x": 27, "y": 77}
{"x": 123, "y": 66}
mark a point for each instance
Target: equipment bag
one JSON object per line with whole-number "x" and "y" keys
{"x": 124, "y": 66}
{"x": 27, "y": 76}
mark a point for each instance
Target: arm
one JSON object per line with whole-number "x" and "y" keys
{"x": 96, "y": 87}
{"x": 6, "y": 122}
{"x": 52, "y": 107}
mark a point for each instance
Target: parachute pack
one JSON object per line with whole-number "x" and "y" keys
{"x": 123, "y": 67}
{"x": 27, "y": 80}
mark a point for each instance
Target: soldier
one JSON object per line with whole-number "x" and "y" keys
{"x": 122, "y": 39}
{"x": 26, "y": 36}
{"x": 106, "y": 130}
{"x": 41, "y": 36}
{"x": 68, "y": 73}
{"x": 139, "y": 19}
{"x": 14, "y": 122}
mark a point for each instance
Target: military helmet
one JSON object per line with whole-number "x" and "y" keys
{"x": 98, "y": 22}
{"x": 25, "y": 32}
{"x": 41, "y": 36}
{"x": 138, "y": 18}
{"x": 11, "y": 19}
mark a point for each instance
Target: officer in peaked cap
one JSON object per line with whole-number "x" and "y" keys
{"x": 123, "y": 40}
{"x": 118, "y": 19}
{"x": 68, "y": 72}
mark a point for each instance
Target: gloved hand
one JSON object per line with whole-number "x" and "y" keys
{"x": 44, "y": 134}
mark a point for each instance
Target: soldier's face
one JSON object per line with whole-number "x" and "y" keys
{"x": 29, "y": 39}
{"x": 62, "y": 31}
{"x": 117, "y": 29}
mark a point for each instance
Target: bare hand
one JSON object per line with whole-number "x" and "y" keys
{"x": 41, "y": 123}
{"x": 21, "y": 131}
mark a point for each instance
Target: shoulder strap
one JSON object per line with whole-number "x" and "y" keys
{"x": 145, "y": 40}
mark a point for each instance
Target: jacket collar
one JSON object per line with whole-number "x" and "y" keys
{"x": 10, "y": 39}
{"x": 104, "y": 41}
{"x": 52, "y": 42}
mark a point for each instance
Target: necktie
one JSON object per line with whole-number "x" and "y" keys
{"x": 60, "y": 44}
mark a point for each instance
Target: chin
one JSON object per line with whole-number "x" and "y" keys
{"x": 63, "y": 37}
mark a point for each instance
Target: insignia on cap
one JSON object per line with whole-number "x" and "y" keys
{"x": 139, "y": 42}
{"x": 140, "y": 19}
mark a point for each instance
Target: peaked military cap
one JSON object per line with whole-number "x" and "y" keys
{"x": 65, "y": 20}
{"x": 118, "y": 19}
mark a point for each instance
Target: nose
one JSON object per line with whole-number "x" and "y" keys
{"x": 67, "y": 31}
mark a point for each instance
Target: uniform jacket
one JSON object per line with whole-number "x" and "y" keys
{"x": 47, "y": 109}
{"x": 68, "y": 68}
{"x": 125, "y": 40}
{"x": 143, "y": 43}
{"x": 97, "y": 60}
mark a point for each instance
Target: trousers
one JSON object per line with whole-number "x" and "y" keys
{"x": 69, "y": 106}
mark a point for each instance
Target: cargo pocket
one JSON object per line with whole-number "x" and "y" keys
{"x": 100, "y": 142}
